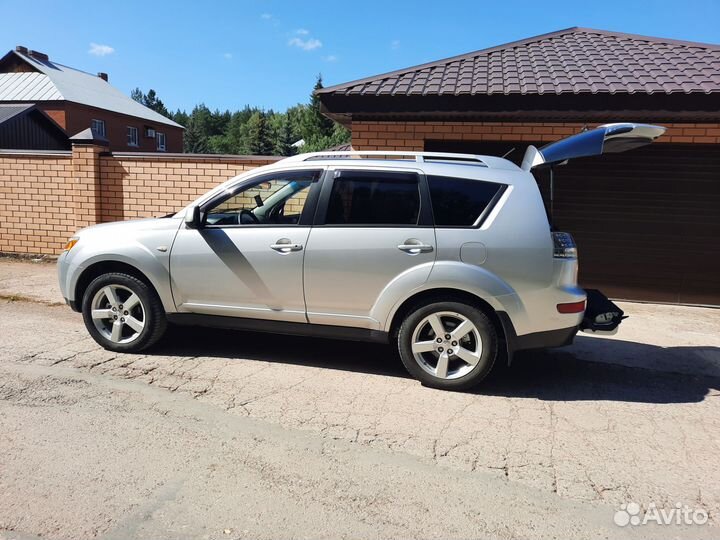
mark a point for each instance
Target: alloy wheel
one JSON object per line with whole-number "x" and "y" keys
{"x": 118, "y": 313}
{"x": 446, "y": 345}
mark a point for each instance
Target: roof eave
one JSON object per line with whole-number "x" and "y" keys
{"x": 344, "y": 109}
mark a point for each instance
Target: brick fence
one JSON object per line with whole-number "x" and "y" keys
{"x": 45, "y": 197}
{"x": 411, "y": 136}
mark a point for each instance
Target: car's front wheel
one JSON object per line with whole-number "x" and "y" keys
{"x": 449, "y": 345}
{"x": 123, "y": 313}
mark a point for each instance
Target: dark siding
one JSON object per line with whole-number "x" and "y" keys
{"x": 647, "y": 222}
{"x": 32, "y": 131}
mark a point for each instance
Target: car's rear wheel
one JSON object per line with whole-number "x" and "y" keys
{"x": 449, "y": 345}
{"x": 123, "y": 313}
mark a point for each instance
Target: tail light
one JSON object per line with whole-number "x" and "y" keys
{"x": 564, "y": 246}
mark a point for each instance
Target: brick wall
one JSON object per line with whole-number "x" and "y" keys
{"x": 46, "y": 197}
{"x": 411, "y": 136}
{"x": 135, "y": 186}
{"x": 37, "y": 213}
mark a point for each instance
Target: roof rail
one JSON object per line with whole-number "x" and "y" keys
{"x": 419, "y": 157}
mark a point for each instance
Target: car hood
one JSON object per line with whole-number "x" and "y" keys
{"x": 133, "y": 225}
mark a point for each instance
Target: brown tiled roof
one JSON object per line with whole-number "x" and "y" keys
{"x": 571, "y": 61}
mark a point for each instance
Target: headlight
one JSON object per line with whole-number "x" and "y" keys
{"x": 71, "y": 243}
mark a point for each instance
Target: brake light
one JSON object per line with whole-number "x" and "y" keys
{"x": 571, "y": 307}
{"x": 564, "y": 246}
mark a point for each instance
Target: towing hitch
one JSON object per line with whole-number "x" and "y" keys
{"x": 602, "y": 316}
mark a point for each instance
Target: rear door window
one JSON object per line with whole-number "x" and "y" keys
{"x": 460, "y": 202}
{"x": 374, "y": 198}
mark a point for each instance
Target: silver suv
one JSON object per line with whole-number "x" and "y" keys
{"x": 450, "y": 256}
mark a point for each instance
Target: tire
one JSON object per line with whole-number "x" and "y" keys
{"x": 119, "y": 327}
{"x": 466, "y": 358}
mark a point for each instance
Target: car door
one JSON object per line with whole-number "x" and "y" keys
{"x": 371, "y": 226}
{"x": 246, "y": 257}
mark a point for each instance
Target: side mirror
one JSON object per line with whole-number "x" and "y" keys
{"x": 192, "y": 218}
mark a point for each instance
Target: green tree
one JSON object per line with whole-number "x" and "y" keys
{"x": 258, "y": 137}
{"x": 316, "y": 125}
{"x": 339, "y": 135}
{"x": 151, "y": 101}
{"x": 250, "y": 130}
{"x": 285, "y": 138}
{"x": 181, "y": 117}
{"x": 194, "y": 141}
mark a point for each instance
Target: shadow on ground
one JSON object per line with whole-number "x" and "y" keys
{"x": 549, "y": 375}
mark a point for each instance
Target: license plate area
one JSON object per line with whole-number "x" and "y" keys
{"x": 602, "y": 315}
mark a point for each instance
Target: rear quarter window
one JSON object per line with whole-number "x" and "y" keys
{"x": 459, "y": 202}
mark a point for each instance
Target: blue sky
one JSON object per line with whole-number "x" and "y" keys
{"x": 268, "y": 53}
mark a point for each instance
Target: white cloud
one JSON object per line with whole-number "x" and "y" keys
{"x": 301, "y": 32}
{"x": 100, "y": 50}
{"x": 266, "y": 16}
{"x": 309, "y": 44}
{"x": 395, "y": 44}
{"x": 227, "y": 56}
{"x": 330, "y": 58}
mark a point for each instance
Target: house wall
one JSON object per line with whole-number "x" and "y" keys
{"x": 79, "y": 117}
{"x": 74, "y": 118}
{"x": 45, "y": 198}
{"x": 411, "y": 136}
{"x": 56, "y": 111}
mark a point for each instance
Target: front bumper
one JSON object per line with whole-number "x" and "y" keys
{"x": 67, "y": 274}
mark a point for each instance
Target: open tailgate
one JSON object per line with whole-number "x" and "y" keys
{"x": 608, "y": 138}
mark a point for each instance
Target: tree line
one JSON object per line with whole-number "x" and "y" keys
{"x": 252, "y": 131}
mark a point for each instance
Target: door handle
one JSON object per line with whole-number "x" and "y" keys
{"x": 414, "y": 249}
{"x": 285, "y": 246}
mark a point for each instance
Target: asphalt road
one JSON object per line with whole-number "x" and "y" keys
{"x": 218, "y": 434}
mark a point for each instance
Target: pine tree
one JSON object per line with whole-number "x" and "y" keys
{"x": 151, "y": 101}
{"x": 284, "y": 145}
{"x": 315, "y": 124}
{"x": 181, "y": 117}
{"x": 258, "y": 137}
{"x": 194, "y": 141}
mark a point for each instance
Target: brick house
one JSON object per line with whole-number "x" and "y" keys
{"x": 76, "y": 100}
{"x": 646, "y": 221}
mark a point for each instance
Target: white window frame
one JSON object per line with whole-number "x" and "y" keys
{"x": 160, "y": 136}
{"x": 99, "y": 126}
{"x": 133, "y": 141}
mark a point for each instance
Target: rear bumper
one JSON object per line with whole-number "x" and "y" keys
{"x": 547, "y": 339}
{"x": 600, "y": 316}
{"x": 536, "y": 340}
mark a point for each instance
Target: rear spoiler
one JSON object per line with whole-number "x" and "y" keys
{"x": 605, "y": 139}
